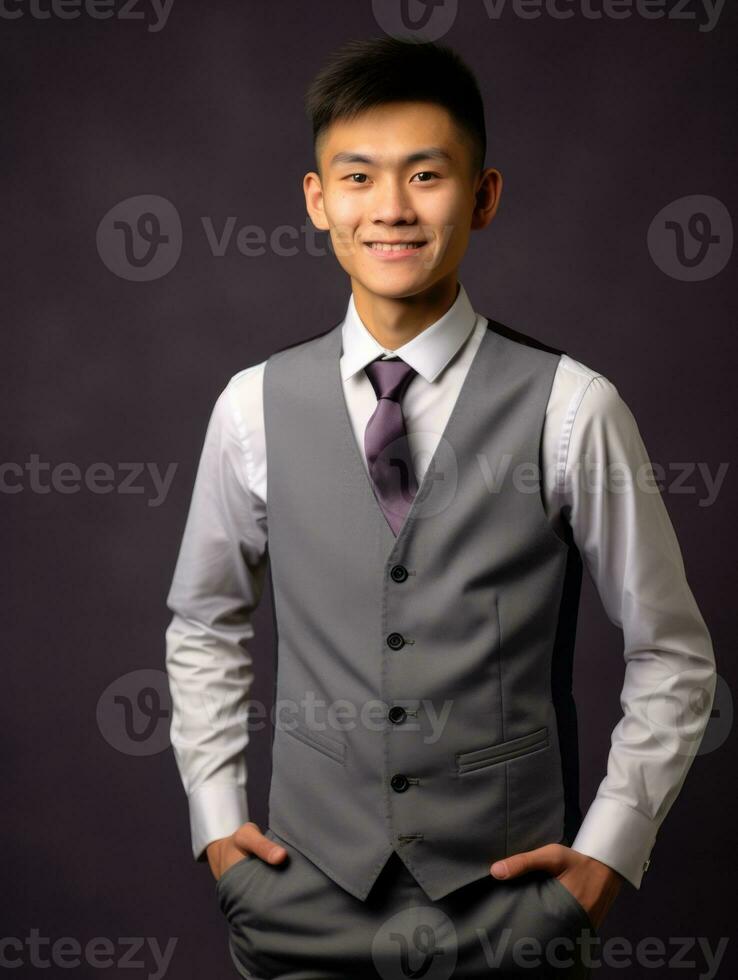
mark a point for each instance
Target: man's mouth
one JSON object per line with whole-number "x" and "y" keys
{"x": 394, "y": 246}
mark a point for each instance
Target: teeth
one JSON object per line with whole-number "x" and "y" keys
{"x": 382, "y": 247}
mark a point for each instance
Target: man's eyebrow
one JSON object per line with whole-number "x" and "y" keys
{"x": 427, "y": 153}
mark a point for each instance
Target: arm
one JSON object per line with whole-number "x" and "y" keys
{"x": 623, "y": 532}
{"x": 217, "y": 583}
{"x": 622, "y": 529}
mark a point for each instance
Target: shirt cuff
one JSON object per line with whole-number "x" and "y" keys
{"x": 619, "y": 836}
{"x": 216, "y": 810}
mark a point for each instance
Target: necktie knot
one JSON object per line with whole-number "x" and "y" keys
{"x": 390, "y": 377}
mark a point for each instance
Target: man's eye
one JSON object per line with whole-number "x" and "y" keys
{"x": 426, "y": 173}
{"x": 351, "y": 176}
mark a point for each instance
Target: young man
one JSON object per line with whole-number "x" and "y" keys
{"x": 424, "y": 483}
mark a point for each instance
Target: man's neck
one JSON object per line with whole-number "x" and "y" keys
{"x": 393, "y": 322}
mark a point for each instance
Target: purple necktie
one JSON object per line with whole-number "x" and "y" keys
{"x": 385, "y": 440}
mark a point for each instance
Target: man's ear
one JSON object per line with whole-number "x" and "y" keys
{"x": 487, "y": 197}
{"x": 313, "y": 189}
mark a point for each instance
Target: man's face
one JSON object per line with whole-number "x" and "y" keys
{"x": 398, "y": 174}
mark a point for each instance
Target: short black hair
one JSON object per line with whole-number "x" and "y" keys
{"x": 370, "y": 72}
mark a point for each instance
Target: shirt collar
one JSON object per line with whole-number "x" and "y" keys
{"x": 428, "y": 353}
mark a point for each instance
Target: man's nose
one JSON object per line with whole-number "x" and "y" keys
{"x": 391, "y": 204}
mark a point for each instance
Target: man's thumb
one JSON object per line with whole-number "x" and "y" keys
{"x": 543, "y": 858}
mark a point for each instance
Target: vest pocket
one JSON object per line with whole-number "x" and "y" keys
{"x": 502, "y": 751}
{"x": 318, "y": 740}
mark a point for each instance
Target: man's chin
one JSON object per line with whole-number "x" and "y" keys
{"x": 395, "y": 287}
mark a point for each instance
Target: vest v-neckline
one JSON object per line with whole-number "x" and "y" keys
{"x": 453, "y": 421}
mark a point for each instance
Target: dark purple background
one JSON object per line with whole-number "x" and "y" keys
{"x": 595, "y": 124}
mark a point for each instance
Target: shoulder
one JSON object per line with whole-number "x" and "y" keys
{"x": 585, "y": 391}
{"x": 241, "y": 398}
{"x": 596, "y": 422}
{"x": 247, "y": 378}
{"x": 586, "y": 411}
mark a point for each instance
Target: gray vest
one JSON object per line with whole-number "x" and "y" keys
{"x": 423, "y": 681}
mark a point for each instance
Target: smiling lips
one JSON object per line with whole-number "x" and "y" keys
{"x": 394, "y": 248}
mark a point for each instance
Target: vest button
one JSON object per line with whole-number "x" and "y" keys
{"x": 398, "y": 573}
{"x": 397, "y": 714}
{"x": 399, "y": 783}
{"x": 395, "y": 641}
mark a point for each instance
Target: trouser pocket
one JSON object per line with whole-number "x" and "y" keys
{"x": 572, "y": 901}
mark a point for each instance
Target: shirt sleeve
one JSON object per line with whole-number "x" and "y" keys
{"x": 217, "y": 584}
{"x": 622, "y": 529}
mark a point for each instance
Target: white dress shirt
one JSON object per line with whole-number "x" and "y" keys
{"x": 620, "y": 526}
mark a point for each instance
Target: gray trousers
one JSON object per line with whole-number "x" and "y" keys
{"x": 293, "y": 922}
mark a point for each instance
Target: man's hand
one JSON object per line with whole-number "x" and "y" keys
{"x": 594, "y": 885}
{"x": 246, "y": 841}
